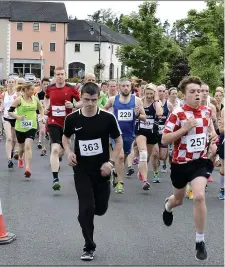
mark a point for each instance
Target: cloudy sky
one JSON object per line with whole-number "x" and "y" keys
{"x": 166, "y": 9}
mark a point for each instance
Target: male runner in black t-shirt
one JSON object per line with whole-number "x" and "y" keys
{"x": 91, "y": 162}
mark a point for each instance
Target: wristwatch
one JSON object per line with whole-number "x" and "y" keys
{"x": 111, "y": 162}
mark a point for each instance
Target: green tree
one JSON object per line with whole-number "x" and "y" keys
{"x": 205, "y": 48}
{"x": 151, "y": 58}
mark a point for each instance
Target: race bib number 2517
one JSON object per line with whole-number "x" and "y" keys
{"x": 196, "y": 143}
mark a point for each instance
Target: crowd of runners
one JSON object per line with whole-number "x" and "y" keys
{"x": 113, "y": 127}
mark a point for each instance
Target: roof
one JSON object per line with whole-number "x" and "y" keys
{"x": 4, "y": 9}
{"x": 79, "y": 31}
{"x": 25, "y": 11}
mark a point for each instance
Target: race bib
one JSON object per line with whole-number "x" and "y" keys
{"x": 196, "y": 143}
{"x": 161, "y": 128}
{"x": 148, "y": 124}
{"x": 58, "y": 111}
{"x": 90, "y": 147}
{"x": 26, "y": 124}
{"x": 125, "y": 115}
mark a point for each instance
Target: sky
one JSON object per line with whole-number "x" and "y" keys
{"x": 166, "y": 9}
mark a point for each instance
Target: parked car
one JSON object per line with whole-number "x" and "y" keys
{"x": 13, "y": 75}
{"x": 29, "y": 77}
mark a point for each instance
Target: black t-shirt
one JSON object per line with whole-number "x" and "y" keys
{"x": 40, "y": 95}
{"x": 92, "y": 136}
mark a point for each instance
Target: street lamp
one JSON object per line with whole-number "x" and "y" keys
{"x": 92, "y": 31}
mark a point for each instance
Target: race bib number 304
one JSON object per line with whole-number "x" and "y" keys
{"x": 27, "y": 124}
{"x": 125, "y": 115}
{"x": 90, "y": 147}
{"x": 196, "y": 143}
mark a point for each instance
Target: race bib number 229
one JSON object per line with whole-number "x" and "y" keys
{"x": 125, "y": 115}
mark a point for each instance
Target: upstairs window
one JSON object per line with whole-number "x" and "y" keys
{"x": 77, "y": 47}
{"x": 36, "y": 26}
{"x": 53, "y": 27}
{"x": 19, "y": 26}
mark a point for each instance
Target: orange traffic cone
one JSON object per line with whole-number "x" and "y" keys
{"x": 5, "y": 238}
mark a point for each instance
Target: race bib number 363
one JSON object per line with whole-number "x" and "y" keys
{"x": 125, "y": 115}
{"x": 27, "y": 124}
{"x": 90, "y": 147}
{"x": 196, "y": 143}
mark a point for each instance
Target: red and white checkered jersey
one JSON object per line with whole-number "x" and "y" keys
{"x": 186, "y": 148}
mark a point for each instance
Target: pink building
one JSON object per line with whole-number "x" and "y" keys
{"x": 36, "y": 27}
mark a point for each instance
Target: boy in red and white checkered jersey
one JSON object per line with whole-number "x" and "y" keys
{"x": 190, "y": 128}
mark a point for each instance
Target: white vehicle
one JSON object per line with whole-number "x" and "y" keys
{"x": 13, "y": 75}
{"x": 30, "y": 77}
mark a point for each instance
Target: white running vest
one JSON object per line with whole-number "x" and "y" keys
{"x": 8, "y": 100}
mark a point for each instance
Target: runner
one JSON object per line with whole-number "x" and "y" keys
{"x": 57, "y": 104}
{"x": 189, "y": 129}
{"x": 173, "y": 99}
{"x": 26, "y": 124}
{"x": 90, "y": 160}
{"x": 160, "y": 151}
{"x": 127, "y": 108}
{"x": 146, "y": 136}
{"x": 221, "y": 154}
{"x": 9, "y": 122}
{"x": 42, "y": 127}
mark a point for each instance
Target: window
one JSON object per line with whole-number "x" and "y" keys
{"x": 35, "y": 46}
{"x": 112, "y": 49}
{"x": 19, "y": 46}
{"x": 52, "y": 69}
{"x": 77, "y": 47}
{"x": 52, "y": 27}
{"x": 97, "y": 47}
{"x": 52, "y": 47}
{"x": 22, "y": 68}
{"x": 122, "y": 71}
{"x": 19, "y": 26}
{"x": 36, "y": 26}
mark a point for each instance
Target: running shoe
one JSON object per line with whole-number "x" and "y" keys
{"x": 130, "y": 171}
{"x": 167, "y": 216}
{"x": 88, "y": 255}
{"x": 27, "y": 173}
{"x": 164, "y": 168}
{"x": 10, "y": 164}
{"x": 140, "y": 176}
{"x": 136, "y": 161}
{"x": 145, "y": 185}
{"x": 201, "y": 253}
{"x": 56, "y": 185}
{"x": 119, "y": 189}
{"x": 21, "y": 163}
{"x": 16, "y": 155}
{"x": 43, "y": 152}
{"x": 221, "y": 196}
{"x": 39, "y": 146}
{"x": 155, "y": 177}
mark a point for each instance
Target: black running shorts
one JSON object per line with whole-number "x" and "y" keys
{"x": 22, "y": 136}
{"x": 182, "y": 174}
{"x": 55, "y": 133}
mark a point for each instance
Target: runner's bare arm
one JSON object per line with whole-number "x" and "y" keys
{"x": 14, "y": 105}
{"x": 2, "y": 103}
{"x": 221, "y": 128}
{"x": 109, "y": 103}
{"x": 170, "y": 107}
{"x": 139, "y": 104}
{"x": 41, "y": 109}
{"x": 46, "y": 103}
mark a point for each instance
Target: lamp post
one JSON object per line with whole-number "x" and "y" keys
{"x": 99, "y": 43}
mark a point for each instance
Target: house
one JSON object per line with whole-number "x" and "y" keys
{"x": 5, "y": 40}
{"x": 85, "y": 49}
{"x": 33, "y": 28}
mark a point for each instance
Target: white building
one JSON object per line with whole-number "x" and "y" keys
{"x": 82, "y": 49}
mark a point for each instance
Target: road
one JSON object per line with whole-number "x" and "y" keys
{"x": 131, "y": 232}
